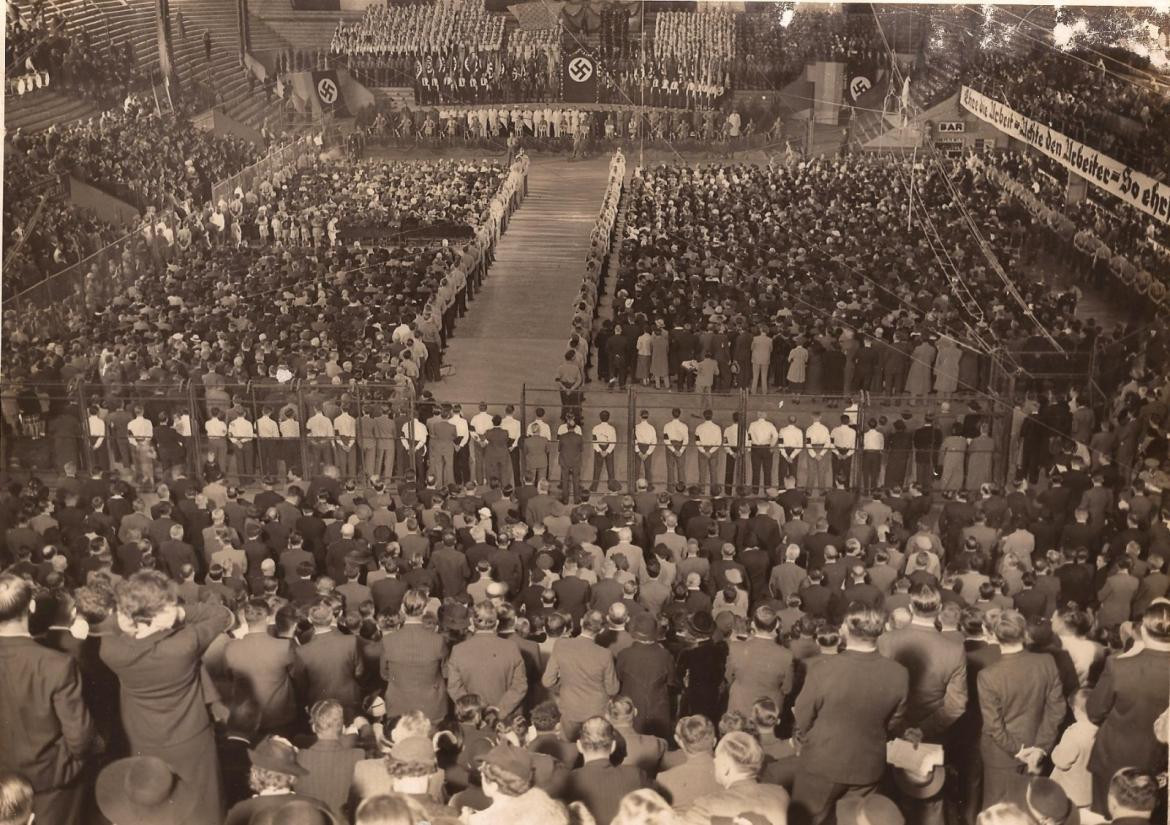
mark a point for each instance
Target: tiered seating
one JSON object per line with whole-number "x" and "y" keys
{"x": 772, "y": 51}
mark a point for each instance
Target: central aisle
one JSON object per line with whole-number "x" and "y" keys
{"x": 516, "y": 330}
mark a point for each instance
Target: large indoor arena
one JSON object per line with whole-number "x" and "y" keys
{"x": 606, "y": 412}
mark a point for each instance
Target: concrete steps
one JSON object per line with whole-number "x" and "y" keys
{"x": 42, "y": 109}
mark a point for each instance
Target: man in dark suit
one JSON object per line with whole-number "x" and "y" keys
{"x": 927, "y": 441}
{"x": 174, "y": 553}
{"x": 414, "y": 664}
{"x": 488, "y": 666}
{"x": 598, "y": 784}
{"x": 1129, "y": 696}
{"x": 1022, "y": 704}
{"x": 582, "y": 672}
{"x": 850, "y": 705}
{"x": 389, "y": 591}
{"x": 264, "y": 668}
{"x": 646, "y": 672}
{"x": 329, "y": 664}
{"x": 572, "y": 592}
{"x": 47, "y": 731}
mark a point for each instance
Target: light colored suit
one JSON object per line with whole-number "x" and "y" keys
{"x": 584, "y": 676}
{"x": 758, "y": 668}
{"x": 490, "y": 667}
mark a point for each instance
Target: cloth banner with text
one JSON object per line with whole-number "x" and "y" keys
{"x": 1139, "y": 191}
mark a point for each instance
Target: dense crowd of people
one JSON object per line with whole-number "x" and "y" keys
{"x": 441, "y": 28}
{"x": 1101, "y": 227}
{"x": 333, "y": 273}
{"x": 772, "y": 50}
{"x": 1073, "y": 95}
{"x": 321, "y": 652}
{"x": 851, "y": 298}
{"x": 40, "y": 52}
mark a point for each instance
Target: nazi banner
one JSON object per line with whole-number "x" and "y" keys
{"x": 329, "y": 93}
{"x": 579, "y": 78}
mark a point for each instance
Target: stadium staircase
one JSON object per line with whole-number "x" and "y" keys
{"x": 516, "y": 329}
{"x": 119, "y": 21}
{"x": 41, "y": 109}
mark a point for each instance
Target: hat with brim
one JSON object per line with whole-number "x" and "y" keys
{"x": 144, "y": 790}
{"x": 919, "y": 786}
{"x": 277, "y": 755}
{"x": 295, "y": 812}
{"x": 874, "y": 809}
{"x": 644, "y": 628}
{"x": 701, "y": 624}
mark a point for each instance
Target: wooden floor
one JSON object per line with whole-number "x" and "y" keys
{"x": 516, "y": 330}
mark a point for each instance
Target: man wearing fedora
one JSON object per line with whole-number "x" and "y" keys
{"x": 144, "y": 790}
{"x": 47, "y": 731}
{"x": 646, "y": 672}
{"x": 700, "y": 668}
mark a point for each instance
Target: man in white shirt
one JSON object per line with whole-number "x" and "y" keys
{"x": 604, "y": 438}
{"x": 241, "y": 434}
{"x": 541, "y": 425}
{"x": 97, "y": 438}
{"x": 873, "y": 443}
{"x": 511, "y": 425}
{"x": 462, "y": 442}
{"x": 267, "y": 433}
{"x": 414, "y": 443}
{"x": 844, "y": 439}
{"x": 645, "y": 439}
{"x": 216, "y": 431}
{"x": 290, "y": 442}
{"x": 676, "y": 436}
{"x": 731, "y": 448}
{"x": 708, "y": 440}
{"x": 319, "y": 432}
{"x": 141, "y": 434}
{"x": 761, "y": 438}
{"x": 789, "y": 446}
{"x": 481, "y": 422}
{"x": 818, "y": 471}
{"x": 345, "y": 442}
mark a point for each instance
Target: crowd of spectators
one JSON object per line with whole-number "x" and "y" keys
{"x": 328, "y": 652}
{"x": 333, "y": 273}
{"x": 1113, "y": 113}
{"x": 1121, "y": 229}
{"x": 40, "y": 52}
{"x": 442, "y": 28}
{"x": 140, "y": 155}
{"x": 773, "y": 50}
{"x": 819, "y": 256}
{"x": 43, "y": 233}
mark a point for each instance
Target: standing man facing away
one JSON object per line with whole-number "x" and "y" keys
{"x": 47, "y": 730}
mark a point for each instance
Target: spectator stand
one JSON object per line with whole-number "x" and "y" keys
{"x": 90, "y": 281}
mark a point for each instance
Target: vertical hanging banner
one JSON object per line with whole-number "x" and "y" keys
{"x": 329, "y": 92}
{"x": 579, "y": 78}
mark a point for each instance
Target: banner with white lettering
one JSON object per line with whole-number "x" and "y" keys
{"x": 1138, "y": 190}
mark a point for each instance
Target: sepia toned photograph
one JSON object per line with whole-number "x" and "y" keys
{"x": 584, "y": 412}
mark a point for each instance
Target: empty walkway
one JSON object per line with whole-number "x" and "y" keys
{"x": 516, "y": 330}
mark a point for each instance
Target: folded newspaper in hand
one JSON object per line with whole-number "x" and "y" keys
{"x": 901, "y": 753}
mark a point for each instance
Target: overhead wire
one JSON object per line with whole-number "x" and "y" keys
{"x": 976, "y": 233}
